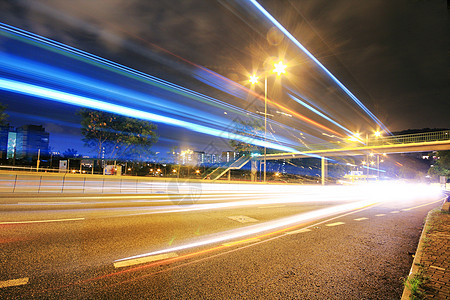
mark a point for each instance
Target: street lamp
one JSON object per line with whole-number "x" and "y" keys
{"x": 280, "y": 68}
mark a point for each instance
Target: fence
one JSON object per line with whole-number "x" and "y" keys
{"x": 30, "y": 183}
{"x": 26, "y": 182}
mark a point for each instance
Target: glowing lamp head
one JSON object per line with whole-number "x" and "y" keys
{"x": 253, "y": 79}
{"x": 280, "y": 68}
{"x": 377, "y": 133}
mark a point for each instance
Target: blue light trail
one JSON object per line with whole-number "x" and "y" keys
{"x": 54, "y": 95}
{"x": 319, "y": 113}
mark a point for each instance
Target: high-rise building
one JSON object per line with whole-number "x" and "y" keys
{"x": 30, "y": 140}
{"x": 4, "y": 130}
{"x": 228, "y": 156}
{"x": 199, "y": 158}
{"x": 12, "y": 144}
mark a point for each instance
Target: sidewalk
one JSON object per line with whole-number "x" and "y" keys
{"x": 430, "y": 273}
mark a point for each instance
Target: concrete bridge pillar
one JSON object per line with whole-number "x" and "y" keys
{"x": 254, "y": 170}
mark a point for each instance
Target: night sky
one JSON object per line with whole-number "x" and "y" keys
{"x": 393, "y": 55}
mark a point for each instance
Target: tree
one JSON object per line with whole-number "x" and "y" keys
{"x": 3, "y": 115}
{"x": 115, "y": 136}
{"x": 70, "y": 153}
{"x": 250, "y": 129}
{"x": 442, "y": 165}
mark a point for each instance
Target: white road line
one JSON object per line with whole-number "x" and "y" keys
{"x": 360, "y": 219}
{"x": 334, "y": 224}
{"x": 14, "y": 282}
{"x": 406, "y": 209}
{"x": 143, "y": 260}
{"x": 243, "y": 219}
{"x": 272, "y": 206}
{"x": 395, "y": 212}
{"x": 298, "y": 231}
{"x": 380, "y": 215}
{"x": 41, "y": 221}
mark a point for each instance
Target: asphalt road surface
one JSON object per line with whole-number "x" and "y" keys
{"x": 276, "y": 243}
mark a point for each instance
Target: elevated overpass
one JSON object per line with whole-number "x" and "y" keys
{"x": 419, "y": 142}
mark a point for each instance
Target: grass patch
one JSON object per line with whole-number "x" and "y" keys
{"x": 416, "y": 286}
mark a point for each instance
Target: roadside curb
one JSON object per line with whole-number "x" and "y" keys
{"x": 418, "y": 255}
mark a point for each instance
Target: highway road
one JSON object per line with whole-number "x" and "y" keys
{"x": 305, "y": 242}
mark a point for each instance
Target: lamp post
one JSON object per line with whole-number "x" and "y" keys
{"x": 280, "y": 68}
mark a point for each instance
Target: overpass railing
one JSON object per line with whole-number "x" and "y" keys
{"x": 384, "y": 140}
{"x": 410, "y": 138}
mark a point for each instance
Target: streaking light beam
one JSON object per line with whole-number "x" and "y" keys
{"x": 54, "y": 95}
{"x": 298, "y": 44}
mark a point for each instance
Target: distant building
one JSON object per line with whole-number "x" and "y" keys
{"x": 212, "y": 158}
{"x": 12, "y": 144}
{"x": 186, "y": 157}
{"x": 30, "y": 139}
{"x": 228, "y": 156}
{"x": 199, "y": 158}
{"x": 4, "y": 130}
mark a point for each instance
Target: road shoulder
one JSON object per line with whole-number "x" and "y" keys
{"x": 430, "y": 272}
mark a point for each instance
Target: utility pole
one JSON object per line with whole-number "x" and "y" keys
{"x": 38, "y": 160}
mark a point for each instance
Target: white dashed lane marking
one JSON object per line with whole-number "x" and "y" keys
{"x": 380, "y": 215}
{"x": 272, "y": 206}
{"x": 14, "y": 282}
{"x": 143, "y": 260}
{"x": 395, "y": 212}
{"x": 334, "y": 224}
{"x": 361, "y": 219}
{"x": 298, "y": 231}
{"x": 243, "y": 219}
